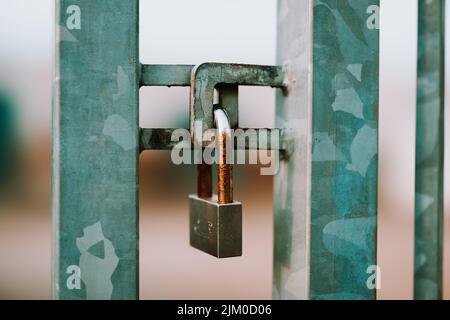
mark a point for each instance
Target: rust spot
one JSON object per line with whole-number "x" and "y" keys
{"x": 204, "y": 178}
{"x": 224, "y": 174}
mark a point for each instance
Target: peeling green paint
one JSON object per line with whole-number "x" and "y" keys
{"x": 430, "y": 151}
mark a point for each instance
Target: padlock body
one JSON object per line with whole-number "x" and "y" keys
{"x": 216, "y": 228}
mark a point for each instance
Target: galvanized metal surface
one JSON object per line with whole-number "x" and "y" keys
{"x": 430, "y": 151}
{"x": 166, "y": 75}
{"x": 291, "y": 184}
{"x": 345, "y": 149}
{"x": 326, "y": 196}
{"x": 208, "y": 76}
{"x": 95, "y": 150}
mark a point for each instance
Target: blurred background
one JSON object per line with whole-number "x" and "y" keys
{"x": 169, "y": 268}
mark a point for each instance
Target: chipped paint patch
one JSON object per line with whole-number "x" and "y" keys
{"x": 355, "y": 70}
{"x": 96, "y": 271}
{"x": 347, "y": 100}
{"x": 123, "y": 83}
{"x": 66, "y": 35}
{"x": 427, "y": 83}
{"x": 362, "y": 150}
{"x": 295, "y": 282}
{"x": 325, "y": 149}
{"x": 348, "y": 237}
{"x": 120, "y": 131}
{"x": 423, "y": 202}
{"x": 420, "y": 261}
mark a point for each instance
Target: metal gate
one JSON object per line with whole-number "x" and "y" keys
{"x": 327, "y": 112}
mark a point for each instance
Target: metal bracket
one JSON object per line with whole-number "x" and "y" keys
{"x": 203, "y": 79}
{"x": 208, "y": 76}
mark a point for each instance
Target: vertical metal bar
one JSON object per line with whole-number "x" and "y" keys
{"x": 292, "y": 183}
{"x": 326, "y": 191}
{"x": 430, "y": 151}
{"x": 95, "y": 150}
{"x": 345, "y": 148}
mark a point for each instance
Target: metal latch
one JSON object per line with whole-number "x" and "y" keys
{"x": 203, "y": 80}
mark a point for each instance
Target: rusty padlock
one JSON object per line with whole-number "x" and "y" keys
{"x": 216, "y": 220}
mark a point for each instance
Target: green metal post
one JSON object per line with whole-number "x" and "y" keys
{"x": 95, "y": 150}
{"x": 326, "y": 191}
{"x": 430, "y": 151}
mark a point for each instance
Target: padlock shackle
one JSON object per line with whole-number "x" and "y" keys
{"x": 204, "y": 181}
{"x": 224, "y": 168}
{"x": 221, "y": 121}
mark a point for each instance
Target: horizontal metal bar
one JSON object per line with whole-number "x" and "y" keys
{"x": 156, "y": 139}
{"x": 166, "y": 75}
{"x": 212, "y": 74}
{"x": 161, "y": 139}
